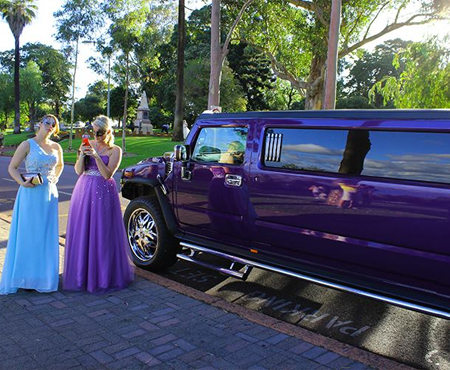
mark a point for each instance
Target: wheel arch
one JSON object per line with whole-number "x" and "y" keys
{"x": 136, "y": 188}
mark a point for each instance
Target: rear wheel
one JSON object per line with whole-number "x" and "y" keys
{"x": 151, "y": 244}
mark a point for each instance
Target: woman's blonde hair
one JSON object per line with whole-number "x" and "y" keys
{"x": 104, "y": 123}
{"x": 56, "y": 130}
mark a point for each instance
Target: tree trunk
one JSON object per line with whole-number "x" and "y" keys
{"x": 179, "y": 104}
{"x": 315, "y": 88}
{"x": 57, "y": 108}
{"x": 72, "y": 109}
{"x": 17, "y": 86}
{"x": 32, "y": 115}
{"x": 216, "y": 56}
{"x": 332, "y": 57}
{"x": 125, "y": 106}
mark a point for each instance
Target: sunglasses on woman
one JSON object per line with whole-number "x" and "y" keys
{"x": 48, "y": 121}
{"x": 99, "y": 133}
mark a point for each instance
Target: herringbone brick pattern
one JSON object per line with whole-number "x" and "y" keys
{"x": 144, "y": 326}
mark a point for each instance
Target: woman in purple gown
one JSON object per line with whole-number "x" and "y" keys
{"x": 96, "y": 257}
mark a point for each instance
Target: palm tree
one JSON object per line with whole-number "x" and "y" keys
{"x": 18, "y": 13}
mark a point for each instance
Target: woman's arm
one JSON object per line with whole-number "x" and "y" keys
{"x": 79, "y": 164}
{"x": 60, "y": 164}
{"x": 113, "y": 164}
{"x": 18, "y": 157}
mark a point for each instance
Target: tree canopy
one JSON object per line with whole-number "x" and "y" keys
{"x": 293, "y": 34}
{"x": 423, "y": 81}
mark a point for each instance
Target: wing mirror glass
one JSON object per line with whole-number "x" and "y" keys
{"x": 180, "y": 153}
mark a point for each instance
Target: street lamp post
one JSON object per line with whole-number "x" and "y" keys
{"x": 109, "y": 89}
{"x": 108, "y": 51}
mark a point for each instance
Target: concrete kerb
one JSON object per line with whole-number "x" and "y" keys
{"x": 330, "y": 344}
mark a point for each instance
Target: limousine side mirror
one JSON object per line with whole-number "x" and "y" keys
{"x": 181, "y": 153}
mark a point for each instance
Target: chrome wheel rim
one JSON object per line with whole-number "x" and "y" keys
{"x": 142, "y": 234}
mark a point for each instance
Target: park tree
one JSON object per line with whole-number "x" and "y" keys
{"x": 32, "y": 90}
{"x": 137, "y": 28}
{"x": 117, "y": 102}
{"x": 126, "y": 31}
{"x": 94, "y": 103}
{"x": 252, "y": 69}
{"x": 423, "y": 82}
{"x": 77, "y": 20}
{"x": 18, "y": 13}
{"x": 177, "y": 134}
{"x": 233, "y": 99}
{"x": 6, "y": 98}
{"x": 55, "y": 68}
{"x": 196, "y": 43}
{"x": 366, "y": 70}
{"x": 283, "y": 96}
{"x": 219, "y": 52}
{"x": 294, "y": 34}
{"x": 98, "y": 65}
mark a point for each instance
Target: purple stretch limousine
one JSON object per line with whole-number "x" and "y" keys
{"x": 355, "y": 200}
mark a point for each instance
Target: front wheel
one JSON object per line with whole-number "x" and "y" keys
{"x": 151, "y": 244}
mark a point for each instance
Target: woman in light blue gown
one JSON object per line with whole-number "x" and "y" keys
{"x": 32, "y": 254}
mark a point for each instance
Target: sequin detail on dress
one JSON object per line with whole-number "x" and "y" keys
{"x": 38, "y": 160}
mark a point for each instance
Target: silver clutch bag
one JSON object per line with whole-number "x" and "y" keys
{"x": 36, "y": 177}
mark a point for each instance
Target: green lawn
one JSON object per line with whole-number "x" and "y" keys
{"x": 14, "y": 140}
{"x": 138, "y": 148}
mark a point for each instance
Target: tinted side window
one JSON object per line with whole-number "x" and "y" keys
{"x": 421, "y": 156}
{"x": 221, "y": 145}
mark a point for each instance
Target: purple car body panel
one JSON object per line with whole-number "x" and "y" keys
{"x": 383, "y": 230}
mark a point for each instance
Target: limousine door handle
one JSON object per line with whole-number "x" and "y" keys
{"x": 233, "y": 180}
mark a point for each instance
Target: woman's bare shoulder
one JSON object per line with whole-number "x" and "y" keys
{"x": 55, "y": 145}
{"x": 24, "y": 145}
{"x": 116, "y": 149}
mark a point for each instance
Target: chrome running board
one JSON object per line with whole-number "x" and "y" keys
{"x": 233, "y": 271}
{"x": 195, "y": 249}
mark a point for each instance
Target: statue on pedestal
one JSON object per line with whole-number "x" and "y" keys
{"x": 142, "y": 124}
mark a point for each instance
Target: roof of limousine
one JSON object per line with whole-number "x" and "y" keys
{"x": 403, "y": 114}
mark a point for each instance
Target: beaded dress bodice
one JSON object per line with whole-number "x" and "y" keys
{"x": 38, "y": 160}
{"x": 91, "y": 167}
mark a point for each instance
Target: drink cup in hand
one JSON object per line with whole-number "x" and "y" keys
{"x": 85, "y": 140}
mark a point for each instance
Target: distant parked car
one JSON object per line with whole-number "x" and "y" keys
{"x": 79, "y": 124}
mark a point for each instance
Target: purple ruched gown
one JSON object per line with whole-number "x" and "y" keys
{"x": 96, "y": 252}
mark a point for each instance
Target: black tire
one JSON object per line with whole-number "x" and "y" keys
{"x": 151, "y": 244}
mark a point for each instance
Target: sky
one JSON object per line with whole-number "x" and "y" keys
{"x": 43, "y": 29}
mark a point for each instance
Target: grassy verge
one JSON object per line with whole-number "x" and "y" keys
{"x": 138, "y": 148}
{"x": 14, "y": 140}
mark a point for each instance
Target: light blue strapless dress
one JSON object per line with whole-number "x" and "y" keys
{"x": 32, "y": 254}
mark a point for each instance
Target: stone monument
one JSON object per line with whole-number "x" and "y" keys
{"x": 142, "y": 124}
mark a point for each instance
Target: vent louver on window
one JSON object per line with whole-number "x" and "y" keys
{"x": 273, "y": 147}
